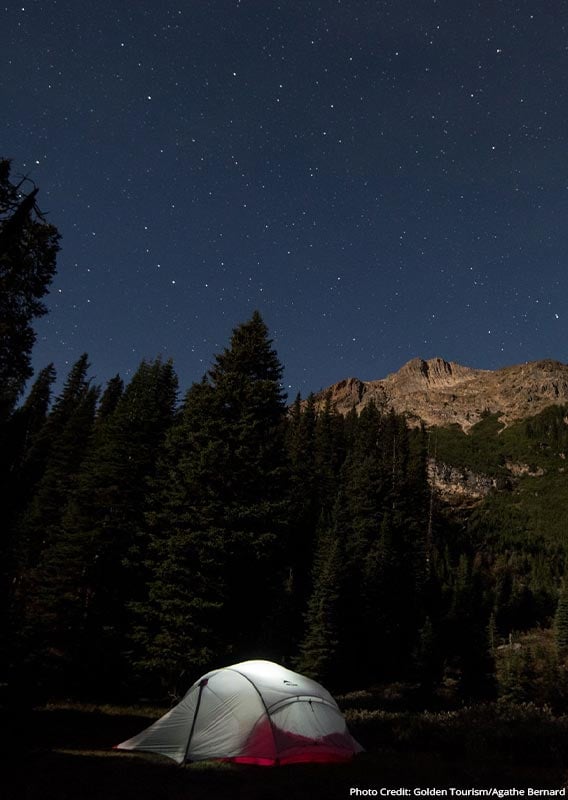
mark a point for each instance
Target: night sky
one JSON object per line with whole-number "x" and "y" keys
{"x": 382, "y": 180}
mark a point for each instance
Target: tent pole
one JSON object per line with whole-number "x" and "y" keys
{"x": 202, "y": 685}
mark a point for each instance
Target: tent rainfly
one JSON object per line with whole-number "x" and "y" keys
{"x": 255, "y": 712}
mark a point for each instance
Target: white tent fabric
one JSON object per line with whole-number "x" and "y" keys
{"x": 252, "y": 712}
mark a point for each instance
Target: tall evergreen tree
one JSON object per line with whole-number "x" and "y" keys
{"x": 329, "y": 454}
{"x": 20, "y": 433}
{"x": 468, "y": 631}
{"x": 110, "y": 398}
{"x": 53, "y": 459}
{"x": 101, "y": 543}
{"x": 322, "y": 649}
{"x": 27, "y": 420}
{"x": 57, "y": 454}
{"x": 178, "y": 622}
{"x": 381, "y": 522}
{"x": 218, "y": 516}
{"x": 28, "y": 250}
{"x": 305, "y": 508}
{"x": 19, "y": 436}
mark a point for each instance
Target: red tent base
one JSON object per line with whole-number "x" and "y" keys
{"x": 299, "y": 758}
{"x": 294, "y": 748}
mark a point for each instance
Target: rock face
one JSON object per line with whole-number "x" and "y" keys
{"x": 459, "y": 487}
{"x": 444, "y": 393}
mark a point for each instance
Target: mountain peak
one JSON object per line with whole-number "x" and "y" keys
{"x": 440, "y": 392}
{"x": 434, "y": 371}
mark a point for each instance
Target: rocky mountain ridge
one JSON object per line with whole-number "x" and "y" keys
{"x": 440, "y": 392}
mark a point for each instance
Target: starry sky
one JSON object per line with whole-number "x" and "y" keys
{"x": 381, "y": 179}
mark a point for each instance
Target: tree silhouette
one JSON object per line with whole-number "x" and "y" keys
{"x": 28, "y": 250}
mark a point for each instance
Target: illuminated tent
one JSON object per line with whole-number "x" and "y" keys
{"x": 255, "y": 712}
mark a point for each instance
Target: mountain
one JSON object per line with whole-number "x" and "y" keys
{"x": 443, "y": 393}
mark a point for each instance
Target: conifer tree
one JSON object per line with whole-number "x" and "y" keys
{"x": 20, "y": 433}
{"x": 40, "y": 591}
{"x": 178, "y": 622}
{"x": 364, "y": 481}
{"x": 383, "y": 523}
{"x": 329, "y": 454}
{"x": 28, "y": 250}
{"x": 102, "y": 543}
{"x": 218, "y": 516}
{"x": 469, "y": 631}
{"x": 322, "y": 649}
{"x": 110, "y": 398}
{"x": 304, "y": 501}
{"x": 18, "y": 439}
{"x": 27, "y": 420}
{"x": 53, "y": 458}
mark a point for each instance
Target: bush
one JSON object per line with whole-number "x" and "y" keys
{"x": 505, "y": 731}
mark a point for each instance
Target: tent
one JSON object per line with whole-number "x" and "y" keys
{"x": 255, "y": 712}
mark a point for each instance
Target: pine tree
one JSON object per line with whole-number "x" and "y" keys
{"x": 20, "y": 433}
{"x": 110, "y": 398}
{"x": 101, "y": 544}
{"x": 383, "y": 523}
{"x": 304, "y": 505}
{"x": 26, "y": 422}
{"x": 28, "y": 250}
{"x": 363, "y": 479}
{"x": 469, "y": 631}
{"x": 387, "y": 626}
{"x": 19, "y": 436}
{"x": 56, "y": 454}
{"x": 322, "y": 649}
{"x": 53, "y": 459}
{"x": 329, "y": 454}
{"x": 178, "y": 622}
{"x": 218, "y": 517}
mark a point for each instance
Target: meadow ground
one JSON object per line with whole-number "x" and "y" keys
{"x": 64, "y": 752}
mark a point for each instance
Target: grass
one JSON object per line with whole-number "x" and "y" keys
{"x": 63, "y": 752}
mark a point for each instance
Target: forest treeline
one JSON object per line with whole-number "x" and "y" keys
{"x": 148, "y": 541}
{"x": 147, "y": 538}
